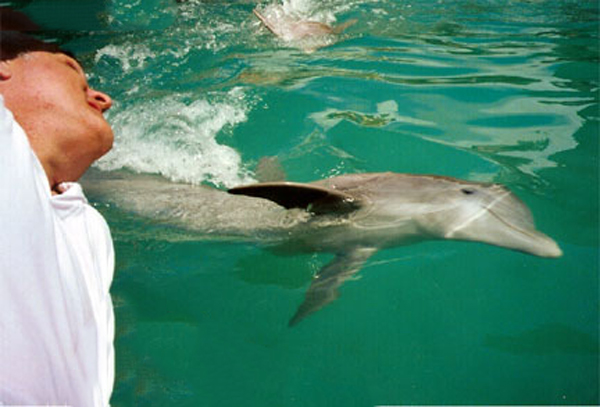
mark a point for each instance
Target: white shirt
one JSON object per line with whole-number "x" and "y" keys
{"x": 56, "y": 267}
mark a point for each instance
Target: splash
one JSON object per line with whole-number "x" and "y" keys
{"x": 178, "y": 139}
{"x": 129, "y": 56}
{"x": 307, "y": 10}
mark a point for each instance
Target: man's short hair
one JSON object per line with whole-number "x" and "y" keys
{"x": 14, "y": 44}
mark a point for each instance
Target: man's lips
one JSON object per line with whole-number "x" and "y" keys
{"x": 95, "y": 106}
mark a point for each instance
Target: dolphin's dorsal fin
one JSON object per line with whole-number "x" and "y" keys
{"x": 324, "y": 287}
{"x": 315, "y": 199}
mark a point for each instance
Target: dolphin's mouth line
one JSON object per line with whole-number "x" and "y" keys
{"x": 508, "y": 224}
{"x": 489, "y": 208}
{"x": 512, "y": 226}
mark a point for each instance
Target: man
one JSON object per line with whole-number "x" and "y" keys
{"x": 56, "y": 255}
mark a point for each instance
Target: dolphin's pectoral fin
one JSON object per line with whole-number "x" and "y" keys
{"x": 313, "y": 198}
{"x": 324, "y": 287}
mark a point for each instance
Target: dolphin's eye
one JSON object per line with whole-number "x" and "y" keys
{"x": 468, "y": 191}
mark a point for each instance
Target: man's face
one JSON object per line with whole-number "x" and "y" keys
{"x": 63, "y": 117}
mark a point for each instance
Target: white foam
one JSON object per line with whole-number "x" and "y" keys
{"x": 178, "y": 139}
{"x": 309, "y": 10}
{"x": 130, "y": 56}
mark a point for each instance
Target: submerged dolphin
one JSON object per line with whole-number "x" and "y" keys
{"x": 352, "y": 216}
{"x": 292, "y": 29}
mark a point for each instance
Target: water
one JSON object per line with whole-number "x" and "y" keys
{"x": 489, "y": 90}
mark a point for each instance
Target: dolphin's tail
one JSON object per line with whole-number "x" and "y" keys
{"x": 265, "y": 21}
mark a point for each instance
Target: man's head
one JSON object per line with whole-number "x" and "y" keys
{"x": 47, "y": 91}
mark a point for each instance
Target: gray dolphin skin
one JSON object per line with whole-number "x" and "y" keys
{"x": 293, "y": 29}
{"x": 296, "y": 29}
{"x": 352, "y": 216}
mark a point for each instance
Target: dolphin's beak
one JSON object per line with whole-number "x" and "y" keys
{"x": 506, "y": 222}
{"x": 535, "y": 243}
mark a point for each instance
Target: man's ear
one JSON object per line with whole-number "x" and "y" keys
{"x": 5, "y": 70}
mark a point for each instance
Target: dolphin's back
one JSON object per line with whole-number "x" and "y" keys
{"x": 206, "y": 212}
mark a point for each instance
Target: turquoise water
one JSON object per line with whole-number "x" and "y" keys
{"x": 488, "y": 90}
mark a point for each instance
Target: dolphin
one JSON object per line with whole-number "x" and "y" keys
{"x": 351, "y": 216}
{"x": 294, "y": 30}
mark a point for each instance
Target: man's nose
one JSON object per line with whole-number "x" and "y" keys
{"x": 102, "y": 99}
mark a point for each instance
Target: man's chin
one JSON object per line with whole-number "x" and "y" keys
{"x": 109, "y": 145}
{"x": 106, "y": 140}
